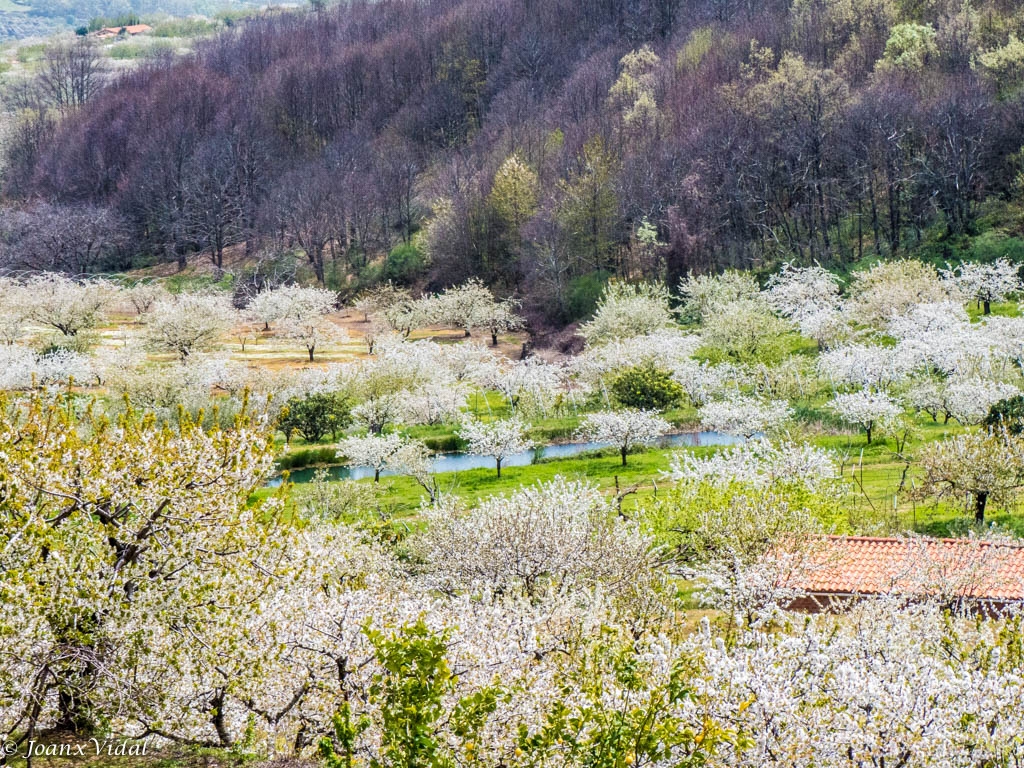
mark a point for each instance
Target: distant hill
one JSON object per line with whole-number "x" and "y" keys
{"x": 546, "y": 146}
{"x": 21, "y": 19}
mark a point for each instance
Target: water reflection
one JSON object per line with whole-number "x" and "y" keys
{"x": 460, "y": 462}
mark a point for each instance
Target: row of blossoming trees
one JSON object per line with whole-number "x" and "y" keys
{"x": 145, "y": 595}
{"x": 898, "y": 342}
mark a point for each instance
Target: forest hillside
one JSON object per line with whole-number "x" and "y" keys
{"x": 542, "y": 147}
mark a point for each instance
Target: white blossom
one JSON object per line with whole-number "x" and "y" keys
{"x": 799, "y": 293}
{"x": 626, "y": 310}
{"x": 666, "y": 349}
{"x": 865, "y": 409}
{"x": 865, "y": 365}
{"x": 188, "y": 323}
{"x": 744, "y": 416}
{"x": 498, "y": 439}
{"x": 290, "y": 302}
{"x": 436, "y": 402}
{"x": 969, "y": 400}
{"x": 624, "y": 429}
{"x": 705, "y": 296}
{"x": 759, "y": 463}
{"x": 562, "y": 533}
{"x": 985, "y": 283}
{"x": 890, "y": 288}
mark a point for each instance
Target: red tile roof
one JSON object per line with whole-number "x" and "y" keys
{"x": 131, "y": 29}
{"x": 865, "y": 565}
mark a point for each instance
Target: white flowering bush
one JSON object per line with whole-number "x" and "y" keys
{"x": 624, "y": 429}
{"x": 974, "y": 470}
{"x": 312, "y": 333}
{"x": 891, "y": 288}
{"x": 744, "y": 416}
{"x": 23, "y": 368}
{"x": 626, "y": 311}
{"x": 666, "y": 349}
{"x": 969, "y": 400}
{"x": 865, "y": 409}
{"x": 290, "y": 302}
{"x": 435, "y": 402}
{"x": 797, "y": 292}
{"x": 188, "y": 323}
{"x": 702, "y": 381}
{"x": 65, "y": 305}
{"x": 530, "y": 386}
{"x": 985, "y": 283}
{"x": 497, "y": 439}
{"x": 705, "y": 296}
{"x": 865, "y": 365}
{"x": 759, "y": 463}
{"x": 562, "y": 535}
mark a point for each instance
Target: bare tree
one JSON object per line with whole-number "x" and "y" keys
{"x": 308, "y": 209}
{"x": 213, "y": 198}
{"x": 70, "y": 238}
{"x": 72, "y": 74}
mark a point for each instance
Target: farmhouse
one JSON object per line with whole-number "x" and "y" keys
{"x": 130, "y": 31}
{"x": 982, "y": 575}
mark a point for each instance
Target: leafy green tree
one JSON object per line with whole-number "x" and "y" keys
{"x": 633, "y": 94}
{"x": 1007, "y": 414}
{"x": 585, "y": 293}
{"x": 910, "y": 47}
{"x": 408, "y": 695}
{"x": 313, "y": 416}
{"x": 1005, "y": 65}
{"x": 514, "y": 193}
{"x": 589, "y": 210}
{"x": 511, "y": 203}
{"x": 404, "y": 264}
{"x": 646, "y": 387}
{"x": 644, "y": 725}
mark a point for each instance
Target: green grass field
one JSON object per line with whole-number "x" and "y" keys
{"x": 879, "y": 485}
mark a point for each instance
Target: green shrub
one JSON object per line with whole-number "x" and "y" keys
{"x": 28, "y": 53}
{"x": 584, "y": 293}
{"x": 185, "y": 28}
{"x": 445, "y": 443}
{"x": 992, "y": 245}
{"x": 121, "y": 20}
{"x": 404, "y": 264}
{"x": 1008, "y": 413}
{"x": 128, "y": 51}
{"x": 308, "y": 457}
{"x": 315, "y": 415}
{"x": 647, "y": 387}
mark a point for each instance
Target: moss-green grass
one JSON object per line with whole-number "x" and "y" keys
{"x": 872, "y": 475}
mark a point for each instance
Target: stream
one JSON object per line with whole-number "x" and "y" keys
{"x": 460, "y": 462}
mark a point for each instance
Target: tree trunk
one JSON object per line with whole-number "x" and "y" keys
{"x": 623, "y": 451}
{"x": 310, "y": 354}
{"x": 219, "y": 721}
{"x": 988, "y": 306}
{"x": 73, "y": 716}
{"x": 980, "y": 500}
{"x": 494, "y": 338}
{"x": 498, "y": 461}
{"x": 869, "y": 427}
{"x": 376, "y": 475}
